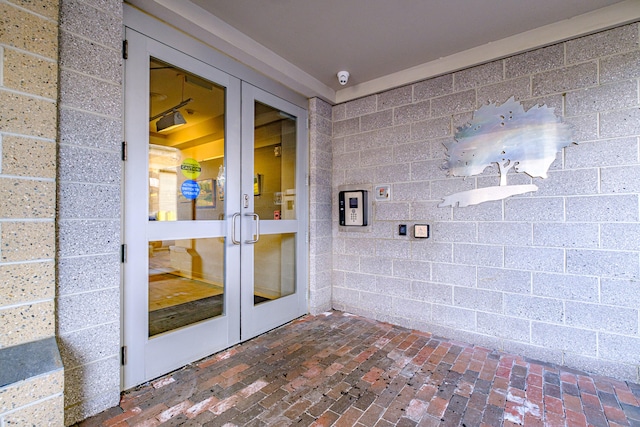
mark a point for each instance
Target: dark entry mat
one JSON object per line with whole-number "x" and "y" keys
{"x": 180, "y": 315}
{"x": 177, "y": 316}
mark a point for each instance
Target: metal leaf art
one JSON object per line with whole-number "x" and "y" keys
{"x": 506, "y": 134}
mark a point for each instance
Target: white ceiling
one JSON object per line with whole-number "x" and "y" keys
{"x": 382, "y": 43}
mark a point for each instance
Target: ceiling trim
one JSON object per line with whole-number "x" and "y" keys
{"x": 607, "y": 17}
{"x": 201, "y": 24}
{"x": 208, "y": 28}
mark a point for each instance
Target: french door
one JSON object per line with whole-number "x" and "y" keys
{"x": 215, "y": 210}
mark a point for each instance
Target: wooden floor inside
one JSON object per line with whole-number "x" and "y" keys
{"x": 170, "y": 289}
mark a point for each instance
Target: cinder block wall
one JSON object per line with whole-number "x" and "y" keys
{"x": 28, "y": 119}
{"x": 89, "y": 204}
{"x": 320, "y": 238}
{"x": 555, "y": 274}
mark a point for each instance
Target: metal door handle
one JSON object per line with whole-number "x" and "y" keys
{"x": 257, "y": 235}
{"x": 233, "y": 228}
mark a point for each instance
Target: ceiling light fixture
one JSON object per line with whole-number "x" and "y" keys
{"x": 170, "y": 121}
{"x": 170, "y": 118}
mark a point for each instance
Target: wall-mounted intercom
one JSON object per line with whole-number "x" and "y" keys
{"x": 354, "y": 210}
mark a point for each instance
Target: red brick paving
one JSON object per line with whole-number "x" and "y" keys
{"x": 338, "y": 369}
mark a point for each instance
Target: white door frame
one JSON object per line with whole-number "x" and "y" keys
{"x": 158, "y": 38}
{"x": 148, "y": 358}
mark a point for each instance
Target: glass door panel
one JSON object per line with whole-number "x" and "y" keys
{"x": 273, "y": 255}
{"x": 186, "y": 172}
{"x": 186, "y": 145}
{"x": 181, "y": 275}
{"x": 186, "y": 282}
{"x": 274, "y": 163}
{"x": 275, "y": 262}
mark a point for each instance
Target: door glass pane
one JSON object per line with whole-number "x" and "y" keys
{"x": 186, "y": 282}
{"x": 274, "y": 267}
{"x": 274, "y": 168}
{"x": 186, "y": 182}
{"x": 186, "y": 145}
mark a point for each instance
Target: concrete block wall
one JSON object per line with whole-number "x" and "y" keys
{"x": 89, "y": 204}
{"x": 320, "y": 238}
{"x": 28, "y": 119}
{"x": 553, "y": 275}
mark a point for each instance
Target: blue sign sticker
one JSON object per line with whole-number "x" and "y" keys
{"x": 190, "y": 189}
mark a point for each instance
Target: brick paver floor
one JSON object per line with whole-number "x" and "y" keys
{"x": 344, "y": 370}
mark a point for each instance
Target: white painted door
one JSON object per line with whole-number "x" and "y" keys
{"x": 274, "y": 189}
{"x": 208, "y": 262}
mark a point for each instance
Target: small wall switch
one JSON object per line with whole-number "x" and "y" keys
{"x": 402, "y": 230}
{"x": 421, "y": 231}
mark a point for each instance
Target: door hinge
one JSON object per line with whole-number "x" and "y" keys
{"x": 123, "y": 253}
{"x": 125, "y": 49}
{"x": 306, "y": 237}
{"x": 124, "y": 150}
{"x": 123, "y": 355}
{"x": 308, "y": 180}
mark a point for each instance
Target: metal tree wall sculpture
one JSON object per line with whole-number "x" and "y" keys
{"x": 526, "y": 141}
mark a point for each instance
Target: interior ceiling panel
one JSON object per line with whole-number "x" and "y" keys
{"x": 374, "y": 38}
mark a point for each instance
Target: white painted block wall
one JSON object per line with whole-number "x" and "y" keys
{"x": 553, "y": 275}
